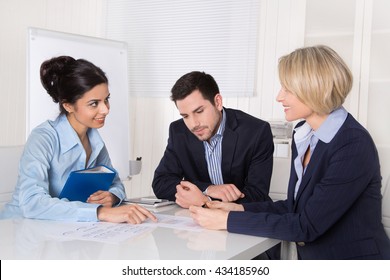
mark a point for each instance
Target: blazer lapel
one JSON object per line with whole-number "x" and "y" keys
{"x": 229, "y": 144}
{"x": 293, "y": 180}
{"x": 314, "y": 159}
{"x": 228, "y": 150}
{"x": 199, "y": 154}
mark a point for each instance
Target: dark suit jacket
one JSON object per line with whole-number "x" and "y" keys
{"x": 247, "y": 158}
{"x": 337, "y": 211}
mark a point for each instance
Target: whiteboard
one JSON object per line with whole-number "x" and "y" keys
{"x": 110, "y": 56}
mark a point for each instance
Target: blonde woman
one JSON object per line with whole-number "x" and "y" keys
{"x": 333, "y": 207}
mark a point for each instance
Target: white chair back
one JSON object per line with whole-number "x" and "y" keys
{"x": 279, "y": 179}
{"x": 9, "y": 162}
{"x": 384, "y": 157}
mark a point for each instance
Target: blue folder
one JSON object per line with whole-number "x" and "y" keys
{"x": 82, "y": 183}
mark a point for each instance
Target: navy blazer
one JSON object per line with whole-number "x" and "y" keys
{"x": 337, "y": 212}
{"x": 247, "y": 158}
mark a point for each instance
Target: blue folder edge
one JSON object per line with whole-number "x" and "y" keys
{"x": 79, "y": 186}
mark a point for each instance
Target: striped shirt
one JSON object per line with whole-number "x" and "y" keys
{"x": 213, "y": 153}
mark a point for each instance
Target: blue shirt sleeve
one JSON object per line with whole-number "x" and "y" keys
{"x": 51, "y": 152}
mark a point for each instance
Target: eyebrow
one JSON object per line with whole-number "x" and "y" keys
{"x": 97, "y": 100}
{"x": 193, "y": 111}
{"x": 93, "y": 100}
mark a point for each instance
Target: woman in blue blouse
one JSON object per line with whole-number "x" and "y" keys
{"x": 71, "y": 142}
{"x": 333, "y": 206}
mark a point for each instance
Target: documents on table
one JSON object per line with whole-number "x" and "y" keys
{"x": 103, "y": 232}
{"x": 116, "y": 233}
{"x": 176, "y": 222}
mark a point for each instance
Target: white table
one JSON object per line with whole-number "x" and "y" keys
{"x": 33, "y": 239}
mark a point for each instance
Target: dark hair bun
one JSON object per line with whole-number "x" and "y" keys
{"x": 50, "y": 72}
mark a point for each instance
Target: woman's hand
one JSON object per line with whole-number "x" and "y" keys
{"x": 226, "y": 206}
{"x": 104, "y": 198}
{"x": 130, "y": 213}
{"x": 209, "y": 218}
{"x": 216, "y": 216}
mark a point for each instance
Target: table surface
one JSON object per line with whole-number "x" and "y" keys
{"x": 34, "y": 239}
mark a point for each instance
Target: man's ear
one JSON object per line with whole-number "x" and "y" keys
{"x": 218, "y": 101}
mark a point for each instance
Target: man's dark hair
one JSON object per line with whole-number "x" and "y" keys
{"x": 195, "y": 80}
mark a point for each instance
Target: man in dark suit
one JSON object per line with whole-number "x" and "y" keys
{"x": 213, "y": 152}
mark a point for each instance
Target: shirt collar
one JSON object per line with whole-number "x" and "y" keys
{"x": 221, "y": 127}
{"x": 69, "y": 138}
{"x": 302, "y": 133}
{"x": 331, "y": 125}
{"x": 218, "y": 135}
{"x": 67, "y": 135}
{"x": 326, "y": 131}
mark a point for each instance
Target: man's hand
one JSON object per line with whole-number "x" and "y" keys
{"x": 225, "y": 192}
{"x": 188, "y": 194}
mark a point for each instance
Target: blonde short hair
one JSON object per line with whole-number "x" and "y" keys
{"x": 318, "y": 76}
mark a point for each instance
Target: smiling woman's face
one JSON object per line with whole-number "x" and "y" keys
{"x": 90, "y": 110}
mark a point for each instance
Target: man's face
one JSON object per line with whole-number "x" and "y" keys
{"x": 200, "y": 116}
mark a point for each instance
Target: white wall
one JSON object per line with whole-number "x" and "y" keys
{"x": 282, "y": 29}
{"x": 73, "y": 16}
{"x": 361, "y": 34}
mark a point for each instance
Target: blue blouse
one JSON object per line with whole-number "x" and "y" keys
{"x": 52, "y": 151}
{"x": 305, "y": 136}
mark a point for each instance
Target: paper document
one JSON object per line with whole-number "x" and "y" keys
{"x": 116, "y": 233}
{"x": 102, "y": 232}
{"x": 176, "y": 222}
